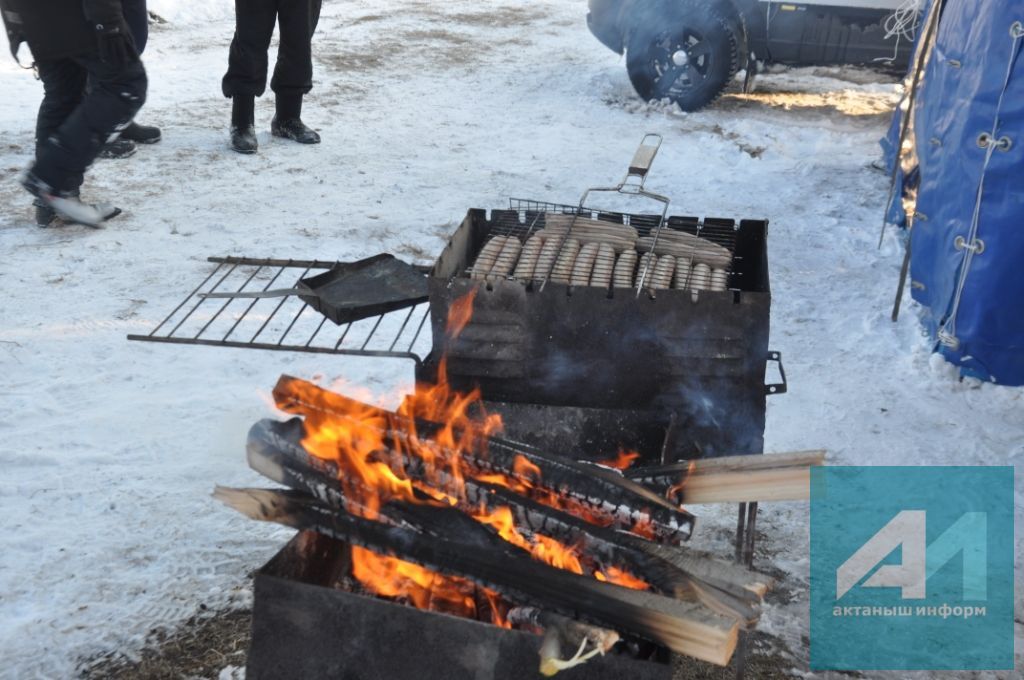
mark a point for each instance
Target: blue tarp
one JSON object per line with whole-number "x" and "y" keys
{"x": 967, "y": 238}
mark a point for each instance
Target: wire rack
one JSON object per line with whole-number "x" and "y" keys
{"x": 284, "y": 323}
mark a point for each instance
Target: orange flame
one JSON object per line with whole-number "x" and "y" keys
{"x": 355, "y": 441}
{"x": 622, "y": 461}
{"x": 675, "y": 491}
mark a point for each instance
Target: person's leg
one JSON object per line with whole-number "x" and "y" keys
{"x": 246, "y": 78}
{"x": 136, "y": 15}
{"x": 63, "y": 89}
{"x": 293, "y": 74}
{"x": 112, "y": 99}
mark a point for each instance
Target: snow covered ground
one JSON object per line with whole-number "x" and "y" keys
{"x": 109, "y": 449}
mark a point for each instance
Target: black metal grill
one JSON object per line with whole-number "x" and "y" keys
{"x": 284, "y": 323}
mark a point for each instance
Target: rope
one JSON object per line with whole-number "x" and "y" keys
{"x": 947, "y": 331}
{"x": 902, "y": 24}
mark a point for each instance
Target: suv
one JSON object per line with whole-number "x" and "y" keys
{"x": 687, "y": 51}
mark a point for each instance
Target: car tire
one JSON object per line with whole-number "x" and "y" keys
{"x": 686, "y": 53}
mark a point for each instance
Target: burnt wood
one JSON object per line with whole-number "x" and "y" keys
{"x": 274, "y": 449}
{"x": 627, "y": 504}
{"x": 305, "y": 627}
{"x": 681, "y": 626}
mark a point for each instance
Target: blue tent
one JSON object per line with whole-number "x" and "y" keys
{"x": 967, "y": 235}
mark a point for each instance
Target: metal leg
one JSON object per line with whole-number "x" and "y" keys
{"x": 751, "y": 537}
{"x": 740, "y": 526}
{"x": 740, "y": 656}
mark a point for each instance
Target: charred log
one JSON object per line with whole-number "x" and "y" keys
{"x": 682, "y": 627}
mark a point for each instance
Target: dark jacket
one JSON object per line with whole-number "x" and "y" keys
{"x": 58, "y": 28}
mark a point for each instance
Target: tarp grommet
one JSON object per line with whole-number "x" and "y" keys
{"x": 984, "y": 140}
{"x": 1004, "y": 143}
{"x": 1016, "y": 30}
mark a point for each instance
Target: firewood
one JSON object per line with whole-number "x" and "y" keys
{"x": 622, "y": 502}
{"x": 768, "y": 477}
{"x": 274, "y": 449}
{"x": 683, "y": 627}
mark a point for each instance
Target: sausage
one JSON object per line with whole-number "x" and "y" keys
{"x": 487, "y": 257}
{"x": 562, "y": 270}
{"x": 624, "y": 268}
{"x": 682, "y": 278}
{"x": 719, "y": 279}
{"x": 647, "y": 264}
{"x": 585, "y": 235}
{"x": 700, "y": 278}
{"x": 584, "y": 265}
{"x": 546, "y": 260}
{"x": 528, "y": 258}
{"x": 661, "y": 279}
{"x": 683, "y": 244}
{"x": 604, "y": 265}
{"x": 506, "y": 260}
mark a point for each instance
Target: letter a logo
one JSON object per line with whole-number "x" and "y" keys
{"x": 906, "y": 529}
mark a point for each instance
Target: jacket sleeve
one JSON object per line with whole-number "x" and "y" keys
{"x": 103, "y": 12}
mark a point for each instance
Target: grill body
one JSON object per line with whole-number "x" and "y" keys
{"x": 666, "y": 374}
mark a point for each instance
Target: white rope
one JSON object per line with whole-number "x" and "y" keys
{"x": 902, "y": 24}
{"x": 947, "y": 331}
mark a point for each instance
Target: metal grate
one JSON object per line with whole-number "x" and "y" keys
{"x": 525, "y": 217}
{"x": 284, "y": 323}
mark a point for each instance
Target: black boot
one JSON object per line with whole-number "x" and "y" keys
{"x": 66, "y": 205}
{"x": 141, "y": 134}
{"x": 243, "y": 130}
{"x": 118, "y": 149}
{"x": 288, "y": 122}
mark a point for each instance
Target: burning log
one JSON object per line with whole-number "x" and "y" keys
{"x": 274, "y": 450}
{"x": 735, "y": 479}
{"x": 622, "y": 502}
{"x": 683, "y": 627}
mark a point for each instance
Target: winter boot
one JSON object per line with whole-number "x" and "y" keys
{"x": 141, "y": 134}
{"x": 243, "y": 130}
{"x": 64, "y": 204}
{"x": 118, "y": 149}
{"x": 288, "y": 123}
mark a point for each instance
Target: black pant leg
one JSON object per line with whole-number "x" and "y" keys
{"x": 293, "y": 74}
{"x": 114, "y": 96}
{"x": 136, "y": 16}
{"x": 247, "y": 60}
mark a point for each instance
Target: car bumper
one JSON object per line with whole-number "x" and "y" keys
{"x": 602, "y": 20}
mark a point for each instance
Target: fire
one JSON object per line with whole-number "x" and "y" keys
{"x": 675, "y": 491}
{"x": 438, "y": 426}
{"x": 622, "y": 461}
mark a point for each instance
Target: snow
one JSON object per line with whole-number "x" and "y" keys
{"x": 110, "y": 449}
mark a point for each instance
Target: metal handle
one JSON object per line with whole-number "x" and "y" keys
{"x": 276, "y": 293}
{"x": 777, "y": 388}
{"x": 644, "y": 157}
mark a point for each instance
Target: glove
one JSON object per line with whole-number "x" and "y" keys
{"x": 116, "y": 45}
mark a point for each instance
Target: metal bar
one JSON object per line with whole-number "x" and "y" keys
{"x": 751, "y": 535}
{"x": 269, "y": 346}
{"x": 740, "y": 526}
{"x": 419, "y": 329}
{"x": 227, "y": 302}
{"x": 402, "y": 329}
{"x": 348, "y": 327}
{"x": 276, "y": 309}
{"x": 182, "y": 303}
{"x": 222, "y": 279}
{"x": 253, "y": 303}
{"x": 312, "y": 337}
{"x": 273, "y": 262}
{"x": 294, "y": 319}
{"x": 372, "y": 331}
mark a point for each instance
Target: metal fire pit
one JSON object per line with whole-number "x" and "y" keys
{"x": 304, "y": 627}
{"x": 672, "y": 373}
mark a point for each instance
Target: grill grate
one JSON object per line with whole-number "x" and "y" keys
{"x": 284, "y": 323}
{"x": 526, "y": 217}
